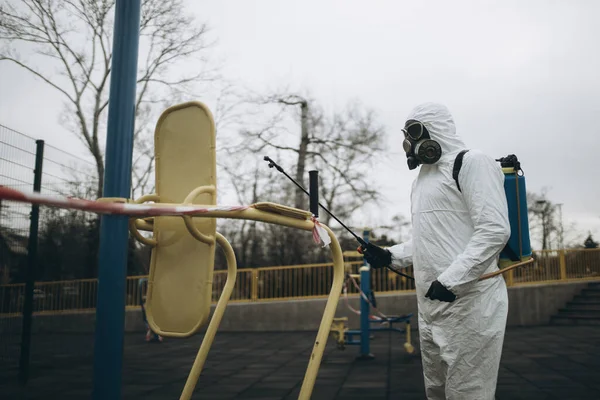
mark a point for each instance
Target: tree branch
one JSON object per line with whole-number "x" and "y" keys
{"x": 39, "y": 75}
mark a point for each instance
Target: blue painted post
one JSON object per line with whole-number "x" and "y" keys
{"x": 112, "y": 261}
{"x": 364, "y": 306}
{"x": 365, "y": 286}
{"x": 366, "y": 237}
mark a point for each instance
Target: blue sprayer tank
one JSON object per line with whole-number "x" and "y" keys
{"x": 518, "y": 247}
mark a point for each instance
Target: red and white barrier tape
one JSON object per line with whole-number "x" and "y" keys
{"x": 113, "y": 208}
{"x": 357, "y": 312}
{"x": 137, "y": 210}
{"x": 320, "y": 235}
{"x": 364, "y": 296}
{"x": 345, "y": 291}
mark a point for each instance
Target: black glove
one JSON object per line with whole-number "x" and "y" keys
{"x": 437, "y": 291}
{"x": 376, "y": 256}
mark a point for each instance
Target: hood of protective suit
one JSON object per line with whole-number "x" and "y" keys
{"x": 440, "y": 124}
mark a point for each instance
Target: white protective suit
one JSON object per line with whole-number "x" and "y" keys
{"x": 457, "y": 237}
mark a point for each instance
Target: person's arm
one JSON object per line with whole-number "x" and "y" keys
{"x": 482, "y": 184}
{"x": 401, "y": 255}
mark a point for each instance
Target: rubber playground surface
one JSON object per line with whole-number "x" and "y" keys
{"x": 553, "y": 362}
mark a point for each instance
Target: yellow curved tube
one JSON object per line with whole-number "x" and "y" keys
{"x": 249, "y": 213}
{"x": 197, "y": 192}
{"x": 211, "y": 331}
{"x": 145, "y": 224}
{"x": 330, "y": 308}
{"x": 189, "y": 224}
{"x": 147, "y": 197}
{"x": 133, "y": 222}
{"x": 134, "y": 231}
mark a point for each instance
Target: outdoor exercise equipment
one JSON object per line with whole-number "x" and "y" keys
{"x": 344, "y": 336}
{"x": 181, "y": 269}
{"x": 183, "y": 225}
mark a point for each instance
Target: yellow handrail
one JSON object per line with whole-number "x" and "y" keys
{"x": 311, "y": 281}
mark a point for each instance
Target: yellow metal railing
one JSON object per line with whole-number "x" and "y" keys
{"x": 289, "y": 282}
{"x": 560, "y": 265}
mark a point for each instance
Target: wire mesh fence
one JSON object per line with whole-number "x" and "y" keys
{"x": 62, "y": 252}
{"x": 63, "y": 174}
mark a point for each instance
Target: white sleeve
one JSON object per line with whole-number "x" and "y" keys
{"x": 482, "y": 184}
{"x": 401, "y": 255}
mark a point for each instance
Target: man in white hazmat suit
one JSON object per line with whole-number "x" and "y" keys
{"x": 458, "y": 234}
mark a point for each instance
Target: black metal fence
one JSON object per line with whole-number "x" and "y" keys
{"x": 62, "y": 236}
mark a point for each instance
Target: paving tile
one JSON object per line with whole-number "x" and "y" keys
{"x": 537, "y": 363}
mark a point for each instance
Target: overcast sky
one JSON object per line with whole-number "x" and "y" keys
{"x": 519, "y": 76}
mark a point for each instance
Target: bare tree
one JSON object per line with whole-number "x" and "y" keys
{"x": 343, "y": 147}
{"x": 340, "y": 146}
{"x": 293, "y": 100}
{"x": 397, "y": 231}
{"x": 71, "y": 43}
{"x": 269, "y": 132}
{"x": 542, "y": 216}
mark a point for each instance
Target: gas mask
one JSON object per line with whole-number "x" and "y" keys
{"x": 418, "y": 145}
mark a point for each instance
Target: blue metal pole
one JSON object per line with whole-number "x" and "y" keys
{"x": 366, "y": 235}
{"x": 112, "y": 261}
{"x": 365, "y": 286}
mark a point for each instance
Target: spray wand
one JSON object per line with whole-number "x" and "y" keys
{"x": 314, "y": 203}
{"x": 274, "y": 164}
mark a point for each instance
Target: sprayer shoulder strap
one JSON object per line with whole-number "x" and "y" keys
{"x": 457, "y": 165}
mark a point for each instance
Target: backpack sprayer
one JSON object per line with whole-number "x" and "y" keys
{"x": 518, "y": 247}
{"x": 314, "y": 204}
